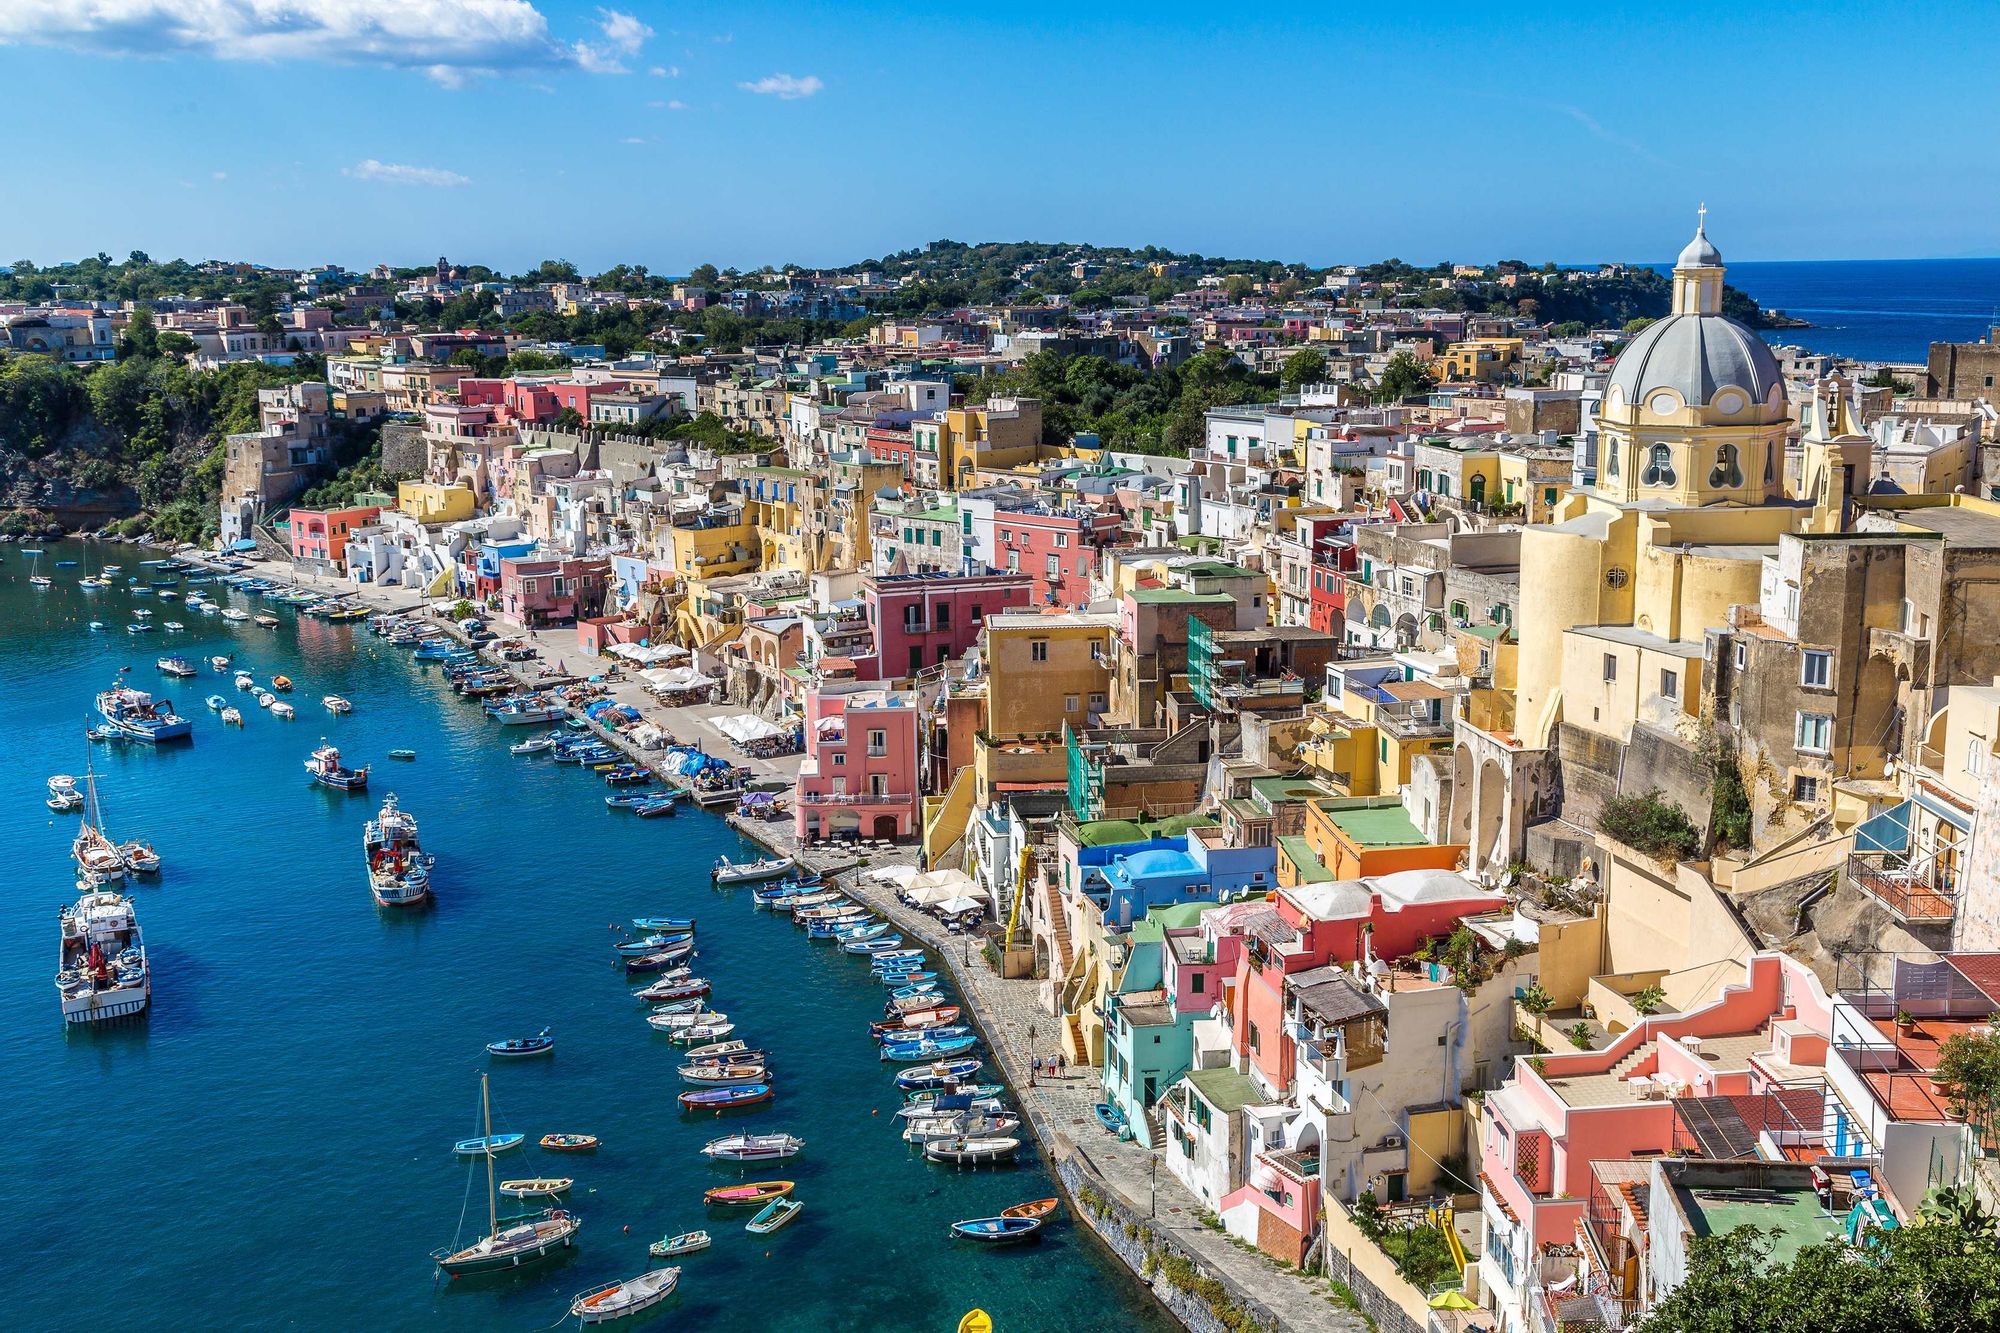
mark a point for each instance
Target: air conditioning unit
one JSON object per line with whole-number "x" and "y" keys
{"x": 1392, "y": 1141}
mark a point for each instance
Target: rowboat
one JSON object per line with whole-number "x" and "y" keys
{"x": 628, "y": 775}
{"x": 934, "y": 1096}
{"x": 927, "y": 1049}
{"x": 943, "y": 1074}
{"x": 952, "y": 1104}
{"x": 726, "y": 871}
{"x": 515, "y": 1048}
{"x": 217, "y": 703}
{"x": 940, "y": 1032}
{"x": 334, "y": 703}
{"x": 657, "y": 805}
{"x": 722, "y": 1076}
{"x": 682, "y": 1007}
{"x": 649, "y": 944}
{"x": 914, "y": 1021}
{"x": 1109, "y": 1116}
{"x": 883, "y": 944}
{"x": 997, "y": 1230}
{"x": 753, "y": 1147}
{"x": 664, "y": 959}
{"x": 536, "y": 746}
{"x": 972, "y": 1152}
{"x": 281, "y": 683}
{"x": 490, "y": 1143}
{"x": 719, "y": 1052}
{"x": 402, "y": 754}
{"x": 1035, "y": 1208}
{"x": 701, "y": 1032}
{"x": 536, "y": 1187}
{"x": 232, "y": 717}
{"x": 903, "y": 981}
{"x": 896, "y": 960}
{"x": 663, "y": 923}
{"x": 779, "y": 1212}
{"x": 959, "y": 1125}
{"x": 619, "y": 1299}
{"x": 758, "y": 1192}
{"x": 675, "y": 1023}
{"x": 282, "y": 709}
{"x": 688, "y": 1242}
{"x": 909, "y": 1004}
{"x": 873, "y": 932}
{"x": 568, "y": 1142}
{"x": 726, "y": 1099}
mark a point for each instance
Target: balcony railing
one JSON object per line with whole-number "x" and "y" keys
{"x": 852, "y": 798}
{"x": 1914, "y": 889}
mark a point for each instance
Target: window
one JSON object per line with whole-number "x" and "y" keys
{"x": 1610, "y": 668}
{"x": 1069, "y": 703}
{"x": 840, "y": 759}
{"x": 1254, "y": 1045}
{"x": 1055, "y": 567}
{"x": 916, "y": 658}
{"x": 1062, "y": 541}
{"x": 913, "y": 620}
{"x": 1459, "y": 611}
{"x": 1742, "y": 654}
{"x": 1727, "y": 471}
{"x": 1038, "y": 650}
{"x": 1804, "y": 788}
{"x": 878, "y": 744}
{"x": 1670, "y": 683}
{"x": 1816, "y": 669}
{"x": 941, "y": 616}
{"x": 1659, "y": 467}
{"x": 1976, "y": 750}
{"x": 1013, "y": 562}
{"x": 1814, "y": 733}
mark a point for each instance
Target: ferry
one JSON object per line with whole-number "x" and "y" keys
{"x": 135, "y": 713}
{"x": 327, "y": 770}
{"x": 399, "y": 870}
{"x": 101, "y": 970}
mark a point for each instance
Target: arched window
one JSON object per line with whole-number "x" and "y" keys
{"x": 1611, "y": 462}
{"x": 1727, "y": 472}
{"x": 1659, "y": 467}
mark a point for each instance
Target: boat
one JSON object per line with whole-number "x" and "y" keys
{"x": 720, "y": 1052}
{"x": 1109, "y": 1116}
{"x": 536, "y": 1187}
{"x": 698, "y": 1033}
{"x": 217, "y": 703}
{"x": 688, "y": 1242}
{"x": 655, "y": 806}
{"x": 943, "y": 1074}
{"x": 619, "y": 1299}
{"x": 911, "y": 1052}
{"x": 522, "y": 1241}
{"x": 998, "y": 1230}
{"x": 281, "y": 709}
{"x": 972, "y": 1152}
{"x": 753, "y": 1148}
{"x": 914, "y": 1023}
{"x": 178, "y": 667}
{"x": 41, "y": 581}
{"x": 92, "y": 848}
{"x": 97, "y": 627}
{"x": 663, "y": 923}
{"x": 399, "y": 870}
{"x": 958, "y": 1125}
{"x": 661, "y": 961}
{"x": 266, "y": 620}
{"x": 402, "y": 754}
{"x": 650, "y": 944}
{"x": 335, "y": 704}
{"x": 138, "y": 715}
{"x": 516, "y": 1048}
{"x": 936, "y": 1096}
{"x": 175, "y": 627}
{"x": 139, "y": 858}
{"x": 327, "y": 770}
{"x": 265, "y": 698}
{"x": 750, "y": 872}
{"x": 63, "y": 794}
{"x": 757, "y": 1192}
{"x": 535, "y": 746}
{"x": 904, "y": 981}
{"x": 568, "y": 1142}
{"x": 776, "y": 1214}
{"x": 488, "y": 1144}
{"x": 139, "y": 627}
{"x": 726, "y": 1099}
{"x": 220, "y": 662}
{"x": 628, "y": 775}
{"x": 887, "y": 944}
{"x": 680, "y": 1022}
{"x": 101, "y": 969}
{"x": 232, "y": 717}
{"x": 628, "y": 800}
{"x": 524, "y": 715}
{"x": 742, "y": 1057}
{"x": 953, "y": 1104}
{"x": 246, "y": 681}
{"x": 281, "y": 683}
{"x": 666, "y": 988}
{"x": 235, "y": 615}
{"x": 722, "y": 1076}
{"x": 1034, "y": 1208}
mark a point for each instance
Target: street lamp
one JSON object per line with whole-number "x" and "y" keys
{"x": 1153, "y": 1185}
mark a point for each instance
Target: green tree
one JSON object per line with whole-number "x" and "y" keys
{"x": 141, "y": 338}
{"x": 1405, "y": 375}
{"x": 1304, "y": 366}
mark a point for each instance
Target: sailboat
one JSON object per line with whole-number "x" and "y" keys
{"x": 41, "y": 581}
{"x": 95, "y": 852}
{"x": 523, "y": 1241}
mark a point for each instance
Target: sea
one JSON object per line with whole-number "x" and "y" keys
{"x": 272, "y": 1146}
{"x": 1877, "y": 309}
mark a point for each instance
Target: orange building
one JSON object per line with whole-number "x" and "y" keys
{"x": 1366, "y": 836}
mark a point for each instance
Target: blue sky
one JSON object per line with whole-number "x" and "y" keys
{"x": 507, "y": 131}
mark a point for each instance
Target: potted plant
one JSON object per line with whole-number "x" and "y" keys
{"x": 1536, "y": 1000}
{"x": 1968, "y": 1067}
{"x": 1905, "y": 1020}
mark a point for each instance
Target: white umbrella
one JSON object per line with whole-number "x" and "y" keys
{"x": 897, "y": 875}
{"x": 960, "y": 903}
{"x": 927, "y": 894}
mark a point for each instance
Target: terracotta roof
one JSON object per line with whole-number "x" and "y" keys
{"x": 1410, "y": 691}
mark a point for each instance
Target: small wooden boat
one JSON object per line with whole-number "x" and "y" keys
{"x": 722, "y": 1076}
{"x": 753, "y": 1148}
{"x": 650, "y": 944}
{"x": 568, "y": 1142}
{"x": 942, "y": 1032}
{"x": 662, "y": 960}
{"x": 912, "y": 1022}
{"x": 953, "y": 1104}
{"x": 688, "y": 1242}
{"x": 334, "y": 703}
{"x": 911, "y": 1052}
{"x": 663, "y": 923}
{"x": 537, "y": 1187}
{"x": 726, "y": 1099}
{"x": 726, "y": 871}
{"x": 660, "y": 804}
{"x": 1036, "y": 1208}
{"x": 488, "y": 1144}
{"x": 282, "y": 709}
{"x": 720, "y": 1052}
{"x": 997, "y": 1230}
{"x": 750, "y": 1056}
{"x": 698, "y": 1033}
{"x": 758, "y": 1192}
{"x": 901, "y": 981}
{"x": 217, "y": 703}
{"x": 536, "y": 746}
{"x": 934, "y": 1096}
{"x": 266, "y": 620}
{"x": 281, "y": 684}
{"x": 972, "y": 1152}
{"x": 402, "y": 754}
{"x": 1109, "y": 1116}
{"x": 672, "y": 1023}
{"x": 775, "y": 1215}
{"x": 943, "y": 1074}
{"x": 232, "y": 717}
{"x": 515, "y": 1048}
{"x": 629, "y": 1297}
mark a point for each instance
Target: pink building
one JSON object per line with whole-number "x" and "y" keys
{"x": 924, "y": 620}
{"x": 859, "y": 778}
{"x": 545, "y": 591}
{"x": 319, "y": 536}
{"x": 1061, "y": 549}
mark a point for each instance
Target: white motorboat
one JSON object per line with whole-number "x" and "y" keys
{"x": 280, "y": 708}
{"x": 972, "y": 1152}
{"x": 620, "y": 1299}
{"x": 335, "y": 704}
{"x": 63, "y": 795}
{"x": 754, "y": 1147}
{"x": 234, "y": 615}
{"x": 750, "y": 872}
{"x": 939, "y": 1128}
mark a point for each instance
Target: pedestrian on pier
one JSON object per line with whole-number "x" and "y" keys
{"x": 1034, "y": 1069}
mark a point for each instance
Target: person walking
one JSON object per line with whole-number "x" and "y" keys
{"x": 1034, "y": 1069}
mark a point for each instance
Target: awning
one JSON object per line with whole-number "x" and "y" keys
{"x": 245, "y": 544}
{"x": 1943, "y": 809}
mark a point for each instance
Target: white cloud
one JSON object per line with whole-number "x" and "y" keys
{"x": 677, "y": 106}
{"x": 451, "y": 41}
{"x": 398, "y": 173}
{"x": 784, "y": 86}
{"x": 634, "y": 139}
{"x": 665, "y": 71}
{"x": 218, "y": 175}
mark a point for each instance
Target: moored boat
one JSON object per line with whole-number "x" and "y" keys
{"x": 726, "y": 1099}
{"x": 1033, "y": 1208}
{"x": 135, "y": 713}
{"x": 333, "y": 703}
{"x": 688, "y": 1242}
{"x": 178, "y": 667}
{"x": 972, "y": 1152}
{"x": 232, "y": 717}
{"x": 281, "y": 709}
{"x": 619, "y": 1299}
{"x": 568, "y": 1142}
{"x": 515, "y": 1048}
{"x": 488, "y": 1144}
{"x": 756, "y": 1192}
{"x": 521, "y": 1241}
{"x": 943, "y": 1074}
{"x": 399, "y": 870}
{"x": 998, "y": 1230}
{"x": 327, "y": 770}
{"x": 722, "y": 1076}
{"x": 101, "y": 968}
{"x": 753, "y": 1147}
{"x": 536, "y": 1187}
{"x": 747, "y": 872}
{"x": 776, "y": 1214}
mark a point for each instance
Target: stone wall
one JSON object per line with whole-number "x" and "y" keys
{"x": 1358, "y": 1264}
{"x": 1596, "y": 768}
{"x": 403, "y": 448}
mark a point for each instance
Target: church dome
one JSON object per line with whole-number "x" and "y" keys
{"x": 1696, "y": 356}
{"x": 1700, "y": 252}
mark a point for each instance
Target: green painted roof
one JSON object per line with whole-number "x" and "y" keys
{"x": 1225, "y": 1089}
{"x": 1486, "y": 631}
{"x": 1117, "y": 832}
{"x": 1300, "y": 853}
{"x": 791, "y": 472}
{"x": 1377, "y": 826}
{"x": 1275, "y": 791}
{"x": 1174, "y": 917}
{"x": 1167, "y": 596}
{"x": 1219, "y": 569}
{"x": 1793, "y": 1214}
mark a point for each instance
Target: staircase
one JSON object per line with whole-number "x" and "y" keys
{"x": 1078, "y": 1052}
{"x": 1065, "y": 956}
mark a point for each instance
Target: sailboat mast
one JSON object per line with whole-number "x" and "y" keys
{"x": 492, "y": 1200}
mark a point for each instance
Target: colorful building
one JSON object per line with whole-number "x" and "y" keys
{"x": 319, "y": 536}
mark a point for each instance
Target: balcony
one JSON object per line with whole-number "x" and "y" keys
{"x": 1908, "y": 653}
{"x": 1916, "y": 890}
{"x": 852, "y": 798}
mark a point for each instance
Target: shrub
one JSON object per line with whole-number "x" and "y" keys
{"x": 1969, "y": 1064}
{"x": 1649, "y": 1000}
{"x": 1536, "y": 1000}
{"x": 1651, "y": 824}
{"x": 1578, "y": 1034}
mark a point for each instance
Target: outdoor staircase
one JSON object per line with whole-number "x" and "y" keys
{"x": 1058, "y": 930}
{"x": 1078, "y": 1052}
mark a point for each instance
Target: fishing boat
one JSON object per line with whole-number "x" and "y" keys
{"x": 333, "y": 703}
{"x": 522, "y": 1241}
{"x": 958, "y": 1125}
{"x": 235, "y": 615}
{"x": 399, "y": 870}
{"x": 488, "y": 1144}
{"x": 220, "y": 662}
{"x": 726, "y": 1099}
{"x": 516, "y": 1048}
{"x": 911, "y": 1052}
{"x": 217, "y": 703}
{"x": 972, "y": 1152}
{"x": 655, "y": 806}
{"x": 935, "y": 1096}
{"x": 742, "y": 1057}
{"x": 327, "y": 770}
{"x": 526, "y": 714}
{"x": 266, "y": 620}
{"x": 998, "y": 1230}
{"x": 756, "y": 1193}
{"x": 139, "y": 858}
{"x": 943, "y": 1074}
{"x": 750, "y": 872}
{"x": 246, "y": 681}
{"x": 283, "y": 711}
{"x": 97, "y": 627}
{"x": 101, "y": 968}
{"x": 914, "y": 1023}
{"x": 724, "y": 1052}
{"x": 776, "y": 1214}
{"x": 628, "y": 775}
{"x": 535, "y": 746}
{"x": 650, "y": 944}
{"x": 569, "y": 1143}
{"x": 953, "y": 1104}
{"x": 905, "y": 981}
{"x": 722, "y": 1076}
{"x": 138, "y": 715}
{"x": 178, "y": 667}
{"x": 679, "y": 1021}
{"x": 753, "y": 1148}
{"x": 403, "y": 754}
{"x": 628, "y": 800}
{"x": 536, "y": 1187}
{"x": 688, "y": 1242}
{"x": 886, "y": 944}
{"x": 232, "y": 717}
{"x": 1034, "y": 1208}
{"x": 63, "y": 795}
{"x": 604, "y": 1304}
{"x": 1109, "y": 1116}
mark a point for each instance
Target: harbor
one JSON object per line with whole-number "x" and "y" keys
{"x": 310, "y": 1055}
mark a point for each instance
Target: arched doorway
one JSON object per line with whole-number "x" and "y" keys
{"x": 1460, "y": 827}
{"x": 885, "y": 826}
{"x": 1476, "y": 490}
{"x": 1488, "y": 828}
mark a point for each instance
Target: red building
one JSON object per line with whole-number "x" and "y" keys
{"x": 922, "y": 620}
{"x": 319, "y": 536}
{"x": 535, "y": 592}
{"x": 1332, "y": 557}
{"x": 1061, "y": 549}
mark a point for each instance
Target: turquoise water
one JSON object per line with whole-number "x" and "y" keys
{"x": 272, "y": 1146}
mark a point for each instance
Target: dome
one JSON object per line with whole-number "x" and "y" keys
{"x": 1696, "y": 356}
{"x": 1700, "y": 252}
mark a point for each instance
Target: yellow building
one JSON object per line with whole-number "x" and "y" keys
{"x": 431, "y": 502}
{"x": 1043, "y": 672}
{"x": 709, "y": 548}
{"x": 1484, "y": 360}
{"x": 992, "y": 436}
